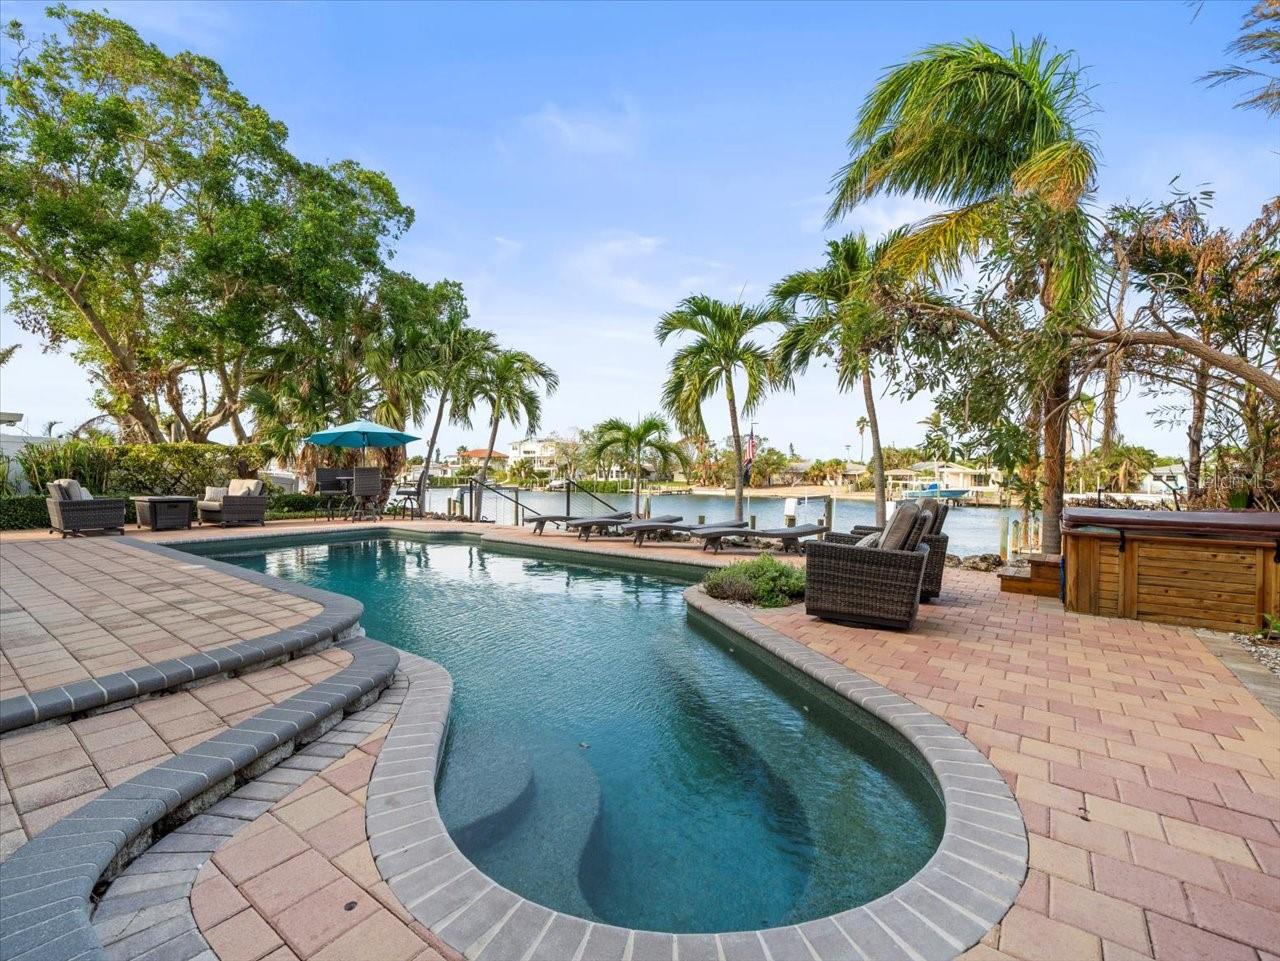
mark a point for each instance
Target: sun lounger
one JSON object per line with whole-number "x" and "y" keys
{"x": 789, "y": 536}
{"x": 539, "y": 521}
{"x": 642, "y": 529}
{"x": 598, "y": 525}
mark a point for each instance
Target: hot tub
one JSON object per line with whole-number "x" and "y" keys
{"x": 1219, "y": 570}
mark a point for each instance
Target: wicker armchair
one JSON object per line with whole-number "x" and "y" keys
{"x": 72, "y": 510}
{"x": 866, "y": 586}
{"x": 242, "y": 503}
{"x": 937, "y": 543}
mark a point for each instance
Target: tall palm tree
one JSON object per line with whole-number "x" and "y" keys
{"x": 863, "y": 423}
{"x": 645, "y": 443}
{"x": 511, "y": 384}
{"x": 721, "y": 347}
{"x": 844, "y": 323}
{"x": 462, "y": 353}
{"x": 996, "y": 136}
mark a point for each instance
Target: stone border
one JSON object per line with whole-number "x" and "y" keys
{"x": 1249, "y": 671}
{"x": 963, "y": 891}
{"x": 339, "y": 618}
{"x": 45, "y": 886}
{"x": 147, "y": 912}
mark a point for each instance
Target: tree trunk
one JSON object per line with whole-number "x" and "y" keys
{"x": 635, "y": 511}
{"x": 484, "y": 468}
{"x": 737, "y": 446}
{"x": 877, "y": 455}
{"x": 1195, "y": 429}
{"x": 1057, "y": 406}
{"x": 1031, "y": 469}
{"x": 435, "y": 430}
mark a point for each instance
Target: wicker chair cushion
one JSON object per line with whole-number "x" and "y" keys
{"x": 869, "y": 540}
{"x": 929, "y": 504}
{"x": 214, "y": 495}
{"x": 899, "y": 527}
{"x": 245, "y": 486}
{"x": 70, "y": 490}
{"x": 939, "y": 518}
{"x": 923, "y": 524}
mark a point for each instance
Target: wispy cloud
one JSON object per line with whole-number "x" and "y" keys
{"x": 626, "y": 266}
{"x": 592, "y": 132}
{"x": 200, "y": 25}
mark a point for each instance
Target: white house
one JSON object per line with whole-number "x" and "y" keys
{"x": 952, "y": 476}
{"x": 541, "y": 451}
{"x": 1164, "y": 480}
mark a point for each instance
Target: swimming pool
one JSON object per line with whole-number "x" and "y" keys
{"x": 614, "y": 757}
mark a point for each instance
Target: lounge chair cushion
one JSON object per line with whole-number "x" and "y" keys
{"x": 245, "y": 487}
{"x": 870, "y": 540}
{"x": 214, "y": 495}
{"x": 70, "y": 490}
{"x": 923, "y": 524}
{"x": 215, "y": 506}
{"x": 899, "y": 527}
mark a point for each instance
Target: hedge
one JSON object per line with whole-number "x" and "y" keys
{"x": 23, "y": 513}
{"x": 133, "y": 469}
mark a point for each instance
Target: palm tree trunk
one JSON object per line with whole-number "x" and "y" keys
{"x": 635, "y": 511}
{"x": 435, "y": 430}
{"x": 737, "y": 446}
{"x": 484, "y": 468}
{"x": 877, "y": 455}
{"x": 1195, "y": 429}
{"x": 1057, "y": 405}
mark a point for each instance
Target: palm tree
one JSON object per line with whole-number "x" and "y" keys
{"x": 845, "y": 323}
{"x": 721, "y": 347}
{"x": 1259, "y": 42}
{"x": 461, "y": 354}
{"x": 645, "y": 443}
{"x": 938, "y": 444}
{"x": 862, "y": 424}
{"x": 996, "y": 136}
{"x": 510, "y": 384}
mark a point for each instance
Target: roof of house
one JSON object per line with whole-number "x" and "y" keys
{"x": 479, "y": 453}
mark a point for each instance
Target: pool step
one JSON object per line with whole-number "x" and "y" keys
{"x": 485, "y": 788}
{"x": 1042, "y": 579}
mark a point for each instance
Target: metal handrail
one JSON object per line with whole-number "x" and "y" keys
{"x": 568, "y": 489}
{"x": 521, "y": 509}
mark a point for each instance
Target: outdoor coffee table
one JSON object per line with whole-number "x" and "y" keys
{"x": 164, "y": 513}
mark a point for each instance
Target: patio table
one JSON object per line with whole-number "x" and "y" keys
{"x": 164, "y": 513}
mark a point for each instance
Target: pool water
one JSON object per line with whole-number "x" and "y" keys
{"x": 613, "y": 757}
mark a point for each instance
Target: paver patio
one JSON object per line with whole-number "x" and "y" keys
{"x": 1148, "y": 775}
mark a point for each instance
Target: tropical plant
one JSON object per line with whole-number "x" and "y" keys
{"x": 844, "y": 322}
{"x": 938, "y": 443}
{"x": 764, "y": 580}
{"x": 862, "y": 424}
{"x": 1259, "y": 42}
{"x": 720, "y": 348}
{"x": 510, "y": 384}
{"x": 996, "y": 135}
{"x": 461, "y": 352}
{"x": 645, "y": 444}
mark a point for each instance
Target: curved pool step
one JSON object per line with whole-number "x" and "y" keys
{"x": 485, "y": 789}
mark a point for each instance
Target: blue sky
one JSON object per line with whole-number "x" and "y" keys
{"x": 581, "y": 167}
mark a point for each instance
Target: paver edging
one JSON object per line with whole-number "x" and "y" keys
{"x": 963, "y": 891}
{"x": 46, "y": 909}
{"x": 338, "y": 619}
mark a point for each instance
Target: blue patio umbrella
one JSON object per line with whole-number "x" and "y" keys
{"x": 360, "y": 433}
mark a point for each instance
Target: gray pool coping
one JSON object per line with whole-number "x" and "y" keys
{"x": 339, "y": 616}
{"x": 963, "y": 891}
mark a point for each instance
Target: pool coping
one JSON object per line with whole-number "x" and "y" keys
{"x": 950, "y": 904}
{"x": 337, "y": 619}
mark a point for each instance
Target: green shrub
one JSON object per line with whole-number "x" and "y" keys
{"x": 765, "y": 581}
{"x": 279, "y": 502}
{"x": 23, "y": 512}
{"x": 132, "y": 469}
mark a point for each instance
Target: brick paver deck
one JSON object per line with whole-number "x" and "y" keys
{"x": 1149, "y": 777}
{"x": 76, "y": 609}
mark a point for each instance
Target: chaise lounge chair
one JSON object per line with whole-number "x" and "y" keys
{"x": 789, "y": 536}
{"x": 72, "y": 509}
{"x": 936, "y": 541}
{"x": 241, "y": 502}
{"x": 586, "y": 526}
{"x": 872, "y": 580}
{"x": 643, "y": 529}
{"x": 539, "y": 521}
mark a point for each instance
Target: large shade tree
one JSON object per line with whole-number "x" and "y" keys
{"x": 996, "y": 137}
{"x": 841, "y": 321}
{"x": 646, "y": 443}
{"x": 719, "y": 346}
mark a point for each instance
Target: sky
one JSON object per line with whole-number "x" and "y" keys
{"x": 580, "y": 168}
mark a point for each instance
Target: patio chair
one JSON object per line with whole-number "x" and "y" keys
{"x": 73, "y": 510}
{"x": 330, "y": 490}
{"x": 639, "y": 530}
{"x": 242, "y": 501}
{"x": 602, "y": 525}
{"x": 366, "y": 493}
{"x": 540, "y": 521}
{"x": 872, "y": 580}
{"x": 937, "y": 542}
{"x": 789, "y": 536}
{"x": 411, "y": 500}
